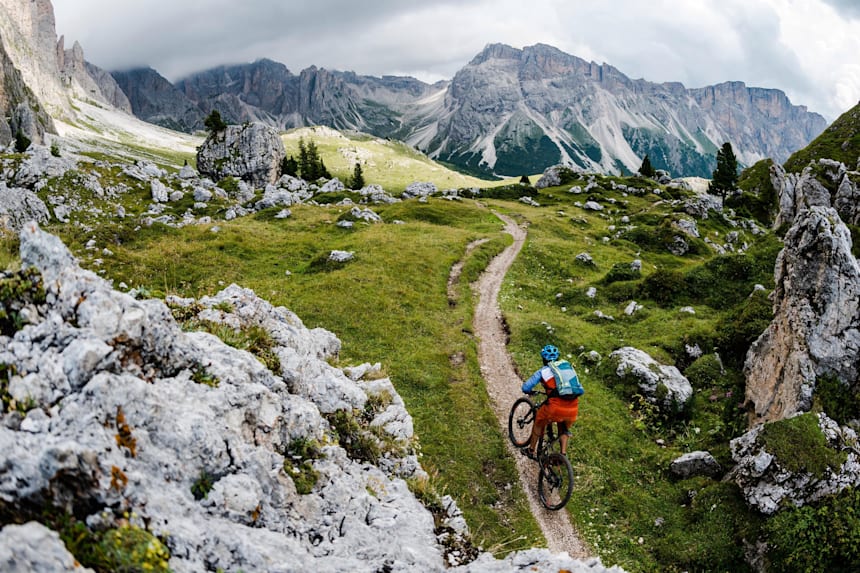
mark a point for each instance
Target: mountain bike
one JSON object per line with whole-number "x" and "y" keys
{"x": 555, "y": 479}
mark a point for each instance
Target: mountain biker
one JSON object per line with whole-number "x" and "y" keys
{"x": 556, "y": 408}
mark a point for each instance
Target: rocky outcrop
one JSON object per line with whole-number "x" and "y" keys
{"x": 824, "y": 183}
{"x": 251, "y": 152}
{"x": 821, "y": 459}
{"x": 662, "y": 385}
{"x": 114, "y": 414}
{"x": 816, "y": 326}
{"x": 18, "y": 206}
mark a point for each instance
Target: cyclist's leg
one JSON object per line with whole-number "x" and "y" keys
{"x": 539, "y": 427}
{"x": 564, "y": 435}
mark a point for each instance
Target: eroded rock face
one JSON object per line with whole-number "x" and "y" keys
{"x": 769, "y": 483}
{"x": 660, "y": 384}
{"x": 114, "y": 409}
{"x": 826, "y": 183}
{"x": 816, "y": 325}
{"x": 251, "y": 152}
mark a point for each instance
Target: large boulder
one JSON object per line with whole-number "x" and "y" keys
{"x": 816, "y": 326}
{"x": 794, "y": 461}
{"x": 252, "y": 152}
{"x": 660, "y": 384}
{"x": 19, "y": 206}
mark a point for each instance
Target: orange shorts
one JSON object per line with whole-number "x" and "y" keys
{"x": 558, "y": 410}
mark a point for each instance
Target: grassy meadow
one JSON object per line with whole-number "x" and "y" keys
{"x": 390, "y": 305}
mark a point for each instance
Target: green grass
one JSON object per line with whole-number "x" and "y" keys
{"x": 392, "y": 164}
{"x": 840, "y": 141}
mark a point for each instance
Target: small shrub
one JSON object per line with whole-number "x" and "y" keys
{"x": 621, "y": 272}
{"x": 17, "y": 291}
{"x": 200, "y": 375}
{"x": 55, "y": 150}
{"x": 202, "y": 485}
{"x": 125, "y": 548}
{"x": 359, "y": 444}
{"x": 665, "y": 287}
{"x": 705, "y": 372}
{"x": 824, "y": 536}
{"x": 298, "y": 464}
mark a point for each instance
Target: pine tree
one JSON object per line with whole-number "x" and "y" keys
{"x": 725, "y": 176}
{"x": 647, "y": 170}
{"x": 304, "y": 161}
{"x": 289, "y": 166}
{"x": 214, "y": 123}
{"x": 357, "y": 177}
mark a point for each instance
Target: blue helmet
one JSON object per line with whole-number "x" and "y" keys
{"x": 549, "y": 353}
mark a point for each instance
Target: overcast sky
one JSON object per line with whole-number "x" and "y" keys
{"x": 810, "y": 49}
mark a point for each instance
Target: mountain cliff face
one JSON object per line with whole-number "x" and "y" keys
{"x": 516, "y": 111}
{"x": 512, "y": 111}
{"x": 154, "y": 99}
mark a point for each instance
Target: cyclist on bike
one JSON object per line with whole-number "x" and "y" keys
{"x": 556, "y": 408}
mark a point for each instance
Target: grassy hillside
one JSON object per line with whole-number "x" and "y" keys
{"x": 392, "y": 164}
{"x": 840, "y": 141}
{"x": 391, "y": 305}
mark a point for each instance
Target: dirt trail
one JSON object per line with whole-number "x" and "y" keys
{"x": 503, "y": 385}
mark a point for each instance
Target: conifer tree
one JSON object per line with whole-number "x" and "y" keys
{"x": 289, "y": 166}
{"x": 213, "y": 122}
{"x": 357, "y": 177}
{"x": 725, "y": 176}
{"x": 647, "y": 170}
{"x": 304, "y": 161}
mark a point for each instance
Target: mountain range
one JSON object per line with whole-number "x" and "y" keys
{"x": 507, "y": 112}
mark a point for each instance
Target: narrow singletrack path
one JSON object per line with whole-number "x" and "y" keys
{"x": 503, "y": 386}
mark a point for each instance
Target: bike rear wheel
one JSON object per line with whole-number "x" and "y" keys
{"x": 520, "y": 421}
{"x": 555, "y": 482}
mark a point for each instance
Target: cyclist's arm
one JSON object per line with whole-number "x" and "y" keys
{"x": 533, "y": 381}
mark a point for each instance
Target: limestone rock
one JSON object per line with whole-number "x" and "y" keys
{"x": 251, "y": 152}
{"x": 33, "y": 548}
{"x": 693, "y": 464}
{"x": 419, "y": 189}
{"x": 660, "y": 384}
{"x": 768, "y": 483}
{"x": 19, "y": 206}
{"x": 816, "y": 325}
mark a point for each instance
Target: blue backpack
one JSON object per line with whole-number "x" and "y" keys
{"x": 567, "y": 383}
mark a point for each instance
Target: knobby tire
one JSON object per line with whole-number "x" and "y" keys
{"x": 555, "y": 482}
{"x": 520, "y": 421}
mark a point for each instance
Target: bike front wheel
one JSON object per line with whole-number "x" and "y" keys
{"x": 555, "y": 482}
{"x": 520, "y": 421}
